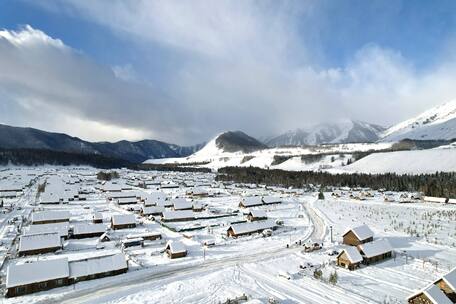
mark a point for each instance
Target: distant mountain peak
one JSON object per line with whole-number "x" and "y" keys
{"x": 436, "y": 123}
{"x": 343, "y": 131}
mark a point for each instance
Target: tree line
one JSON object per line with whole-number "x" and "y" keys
{"x": 440, "y": 184}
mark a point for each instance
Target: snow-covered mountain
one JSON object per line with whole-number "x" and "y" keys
{"x": 436, "y": 123}
{"x": 347, "y": 131}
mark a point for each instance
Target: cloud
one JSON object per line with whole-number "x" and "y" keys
{"x": 247, "y": 65}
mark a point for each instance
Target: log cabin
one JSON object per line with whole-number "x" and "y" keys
{"x": 358, "y": 235}
{"x": 349, "y": 258}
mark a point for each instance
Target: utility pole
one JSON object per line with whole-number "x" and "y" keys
{"x": 331, "y": 232}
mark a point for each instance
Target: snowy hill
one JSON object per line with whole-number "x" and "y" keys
{"x": 347, "y": 131}
{"x": 436, "y": 123}
{"x": 442, "y": 159}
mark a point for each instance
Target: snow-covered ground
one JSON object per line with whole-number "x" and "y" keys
{"x": 422, "y": 235}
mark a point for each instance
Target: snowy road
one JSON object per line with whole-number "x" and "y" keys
{"x": 145, "y": 278}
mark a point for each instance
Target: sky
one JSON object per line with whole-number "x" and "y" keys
{"x": 183, "y": 71}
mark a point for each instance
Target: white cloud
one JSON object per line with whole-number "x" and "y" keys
{"x": 242, "y": 65}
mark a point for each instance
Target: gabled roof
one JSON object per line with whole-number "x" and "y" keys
{"x": 61, "y": 228}
{"x": 450, "y": 279}
{"x": 258, "y": 213}
{"x": 434, "y": 294}
{"x": 175, "y": 246}
{"x": 272, "y": 200}
{"x": 362, "y": 232}
{"x": 181, "y": 203}
{"x": 179, "y": 214}
{"x": 96, "y": 265}
{"x": 252, "y": 201}
{"x": 35, "y": 272}
{"x": 352, "y": 254}
{"x": 50, "y": 216}
{"x": 252, "y": 226}
{"x": 123, "y": 219}
{"x": 88, "y": 228}
{"x": 152, "y": 209}
{"x": 39, "y": 241}
{"x": 375, "y": 248}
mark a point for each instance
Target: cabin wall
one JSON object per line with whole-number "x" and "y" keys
{"x": 36, "y": 287}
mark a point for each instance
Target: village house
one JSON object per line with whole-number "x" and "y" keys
{"x": 375, "y": 251}
{"x": 49, "y": 217}
{"x": 83, "y": 230}
{"x": 442, "y": 290}
{"x": 178, "y": 216}
{"x": 257, "y": 215}
{"x": 36, "y": 276}
{"x": 181, "y": 204}
{"x": 198, "y": 206}
{"x": 97, "y": 217}
{"x": 175, "y": 249}
{"x": 97, "y": 267}
{"x": 147, "y": 236}
{"x": 241, "y": 229}
{"x": 358, "y": 235}
{"x": 152, "y": 210}
{"x": 270, "y": 200}
{"x": 430, "y": 295}
{"x": 132, "y": 242}
{"x": 61, "y": 228}
{"x": 349, "y": 258}
{"x": 122, "y": 221}
{"x": 30, "y": 244}
{"x": 251, "y": 201}
{"x": 126, "y": 200}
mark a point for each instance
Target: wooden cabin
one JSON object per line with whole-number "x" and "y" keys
{"x": 97, "y": 218}
{"x": 97, "y": 267}
{"x": 429, "y": 295}
{"x": 36, "y": 276}
{"x": 178, "y": 216}
{"x": 152, "y": 210}
{"x": 81, "y": 231}
{"x": 123, "y": 221}
{"x": 30, "y": 244}
{"x": 349, "y": 258}
{"x": 358, "y": 235}
{"x": 181, "y": 204}
{"x": 375, "y": 251}
{"x": 49, "y": 217}
{"x": 257, "y": 215}
{"x": 250, "y": 201}
{"x": 61, "y": 228}
{"x": 175, "y": 249}
{"x": 248, "y": 228}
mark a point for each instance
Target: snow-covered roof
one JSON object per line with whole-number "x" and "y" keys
{"x": 126, "y": 200}
{"x": 375, "y": 248}
{"x": 97, "y": 215}
{"x": 50, "y": 216}
{"x": 258, "y": 213}
{"x": 272, "y": 200}
{"x": 450, "y": 279}
{"x": 123, "y": 219}
{"x": 352, "y": 254}
{"x": 88, "y": 228}
{"x": 434, "y": 294}
{"x": 252, "y": 226}
{"x": 60, "y": 228}
{"x": 35, "y": 272}
{"x": 152, "y": 210}
{"x": 38, "y": 241}
{"x": 362, "y": 232}
{"x": 175, "y": 246}
{"x": 179, "y": 214}
{"x": 96, "y": 265}
{"x": 164, "y": 204}
{"x": 252, "y": 201}
{"x": 181, "y": 203}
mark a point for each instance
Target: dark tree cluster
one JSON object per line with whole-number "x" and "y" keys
{"x": 39, "y": 157}
{"x": 171, "y": 167}
{"x": 439, "y": 184}
{"x": 107, "y": 175}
